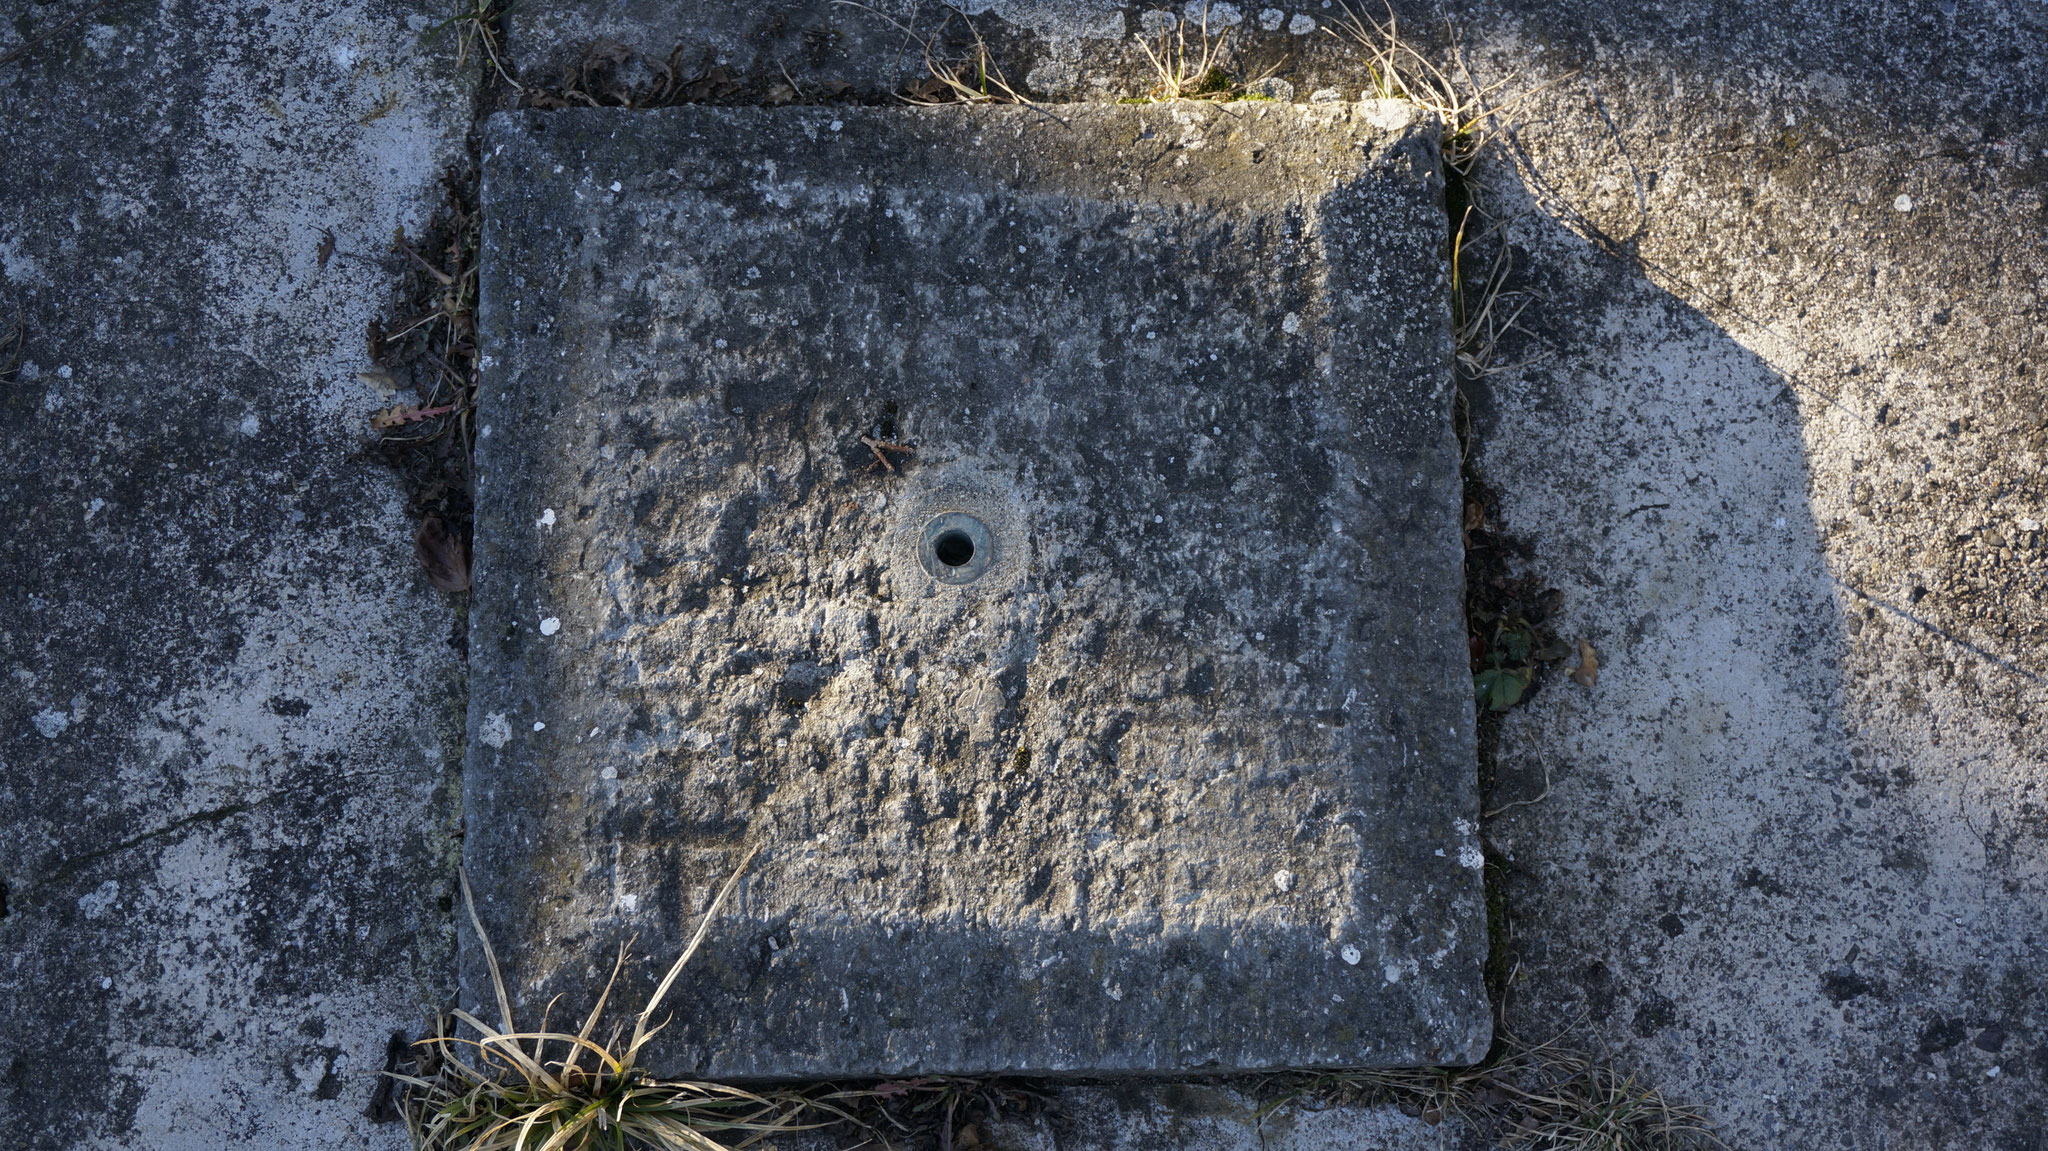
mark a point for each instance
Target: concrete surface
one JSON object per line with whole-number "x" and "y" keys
{"x": 229, "y": 732}
{"x": 780, "y": 51}
{"x": 1683, "y": 886}
{"x": 1783, "y": 455}
{"x": 1170, "y": 1117}
{"x": 1183, "y": 780}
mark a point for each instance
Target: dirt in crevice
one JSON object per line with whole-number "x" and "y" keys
{"x": 1510, "y": 608}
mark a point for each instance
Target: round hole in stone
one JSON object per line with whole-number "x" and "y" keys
{"x": 953, "y": 548}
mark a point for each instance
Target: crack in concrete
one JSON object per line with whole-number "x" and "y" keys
{"x": 70, "y": 867}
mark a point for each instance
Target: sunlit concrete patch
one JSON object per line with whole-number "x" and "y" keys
{"x": 1780, "y": 455}
{"x": 1039, "y": 536}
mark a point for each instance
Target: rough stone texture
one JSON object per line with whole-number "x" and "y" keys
{"x": 806, "y": 50}
{"x": 1184, "y": 780}
{"x": 228, "y": 733}
{"x": 1784, "y": 456}
{"x": 1782, "y": 254}
{"x": 1179, "y": 1117}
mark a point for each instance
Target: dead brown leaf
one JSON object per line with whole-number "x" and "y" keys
{"x": 1589, "y": 666}
{"x": 713, "y": 85}
{"x": 396, "y": 415}
{"x": 444, "y": 556}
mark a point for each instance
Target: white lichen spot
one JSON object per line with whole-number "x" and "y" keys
{"x": 1216, "y": 15}
{"x": 1156, "y": 22}
{"x": 617, "y": 187}
{"x": 1271, "y": 18}
{"x": 496, "y": 730}
{"x": 1114, "y": 991}
{"x": 93, "y": 508}
{"x": 838, "y": 124}
{"x": 1325, "y": 96}
{"x": 547, "y": 518}
{"x": 1904, "y": 203}
{"x": 1392, "y": 972}
{"x": 95, "y": 903}
{"x": 63, "y": 371}
{"x": 1283, "y": 879}
{"x": 1302, "y": 24}
{"x": 1351, "y": 954}
{"x": 1291, "y": 323}
{"x": 50, "y": 722}
{"x": 539, "y": 725}
{"x": 550, "y": 625}
{"x": 251, "y": 425}
{"x": 1470, "y": 856}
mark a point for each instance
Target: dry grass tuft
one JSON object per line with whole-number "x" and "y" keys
{"x": 541, "y": 1090}
{"x": 1189, "y": 72}
{"x": 1474, "y": 117}
{"x": 957, "y": 71}
{"x": 476, "y": 25}
{"x": 1542, "y": 1097}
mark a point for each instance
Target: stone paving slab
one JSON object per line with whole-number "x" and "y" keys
{"x": 810, "y": 50}
{"x": 1182, "y": 778}
{"x": 1200, "y": 1117}
{"x": 1785, "y": 462}
{"x": 231, "y": 716}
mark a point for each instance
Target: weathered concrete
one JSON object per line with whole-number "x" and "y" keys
{"x": 1741, "y": 167}
{"x": 1176, "y": 1117}
{"x": 807, "y": 50}
{"x": 1741, "y": 211}
{"x": 228, "y": 735}
{"x": 1183, "y": 780}
{"x": 1784, "y": 456}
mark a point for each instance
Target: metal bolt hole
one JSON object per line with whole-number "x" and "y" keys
{"x": 954, "y": 548}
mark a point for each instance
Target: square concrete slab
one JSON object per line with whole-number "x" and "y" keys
{"x": 1112, "y": 715}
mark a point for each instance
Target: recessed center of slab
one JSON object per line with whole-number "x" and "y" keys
{"x": 1038, "y": 536}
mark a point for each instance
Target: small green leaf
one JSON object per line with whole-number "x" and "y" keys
{"x": 1500, "y": 688}
{"x": 1514, "y": 645}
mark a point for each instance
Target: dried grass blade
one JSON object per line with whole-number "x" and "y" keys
{"x": 640, "y": 1032}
